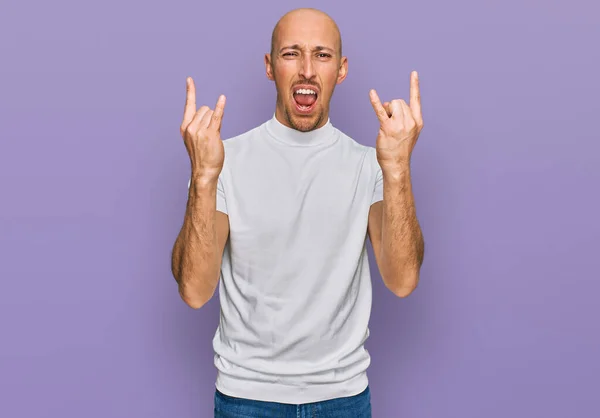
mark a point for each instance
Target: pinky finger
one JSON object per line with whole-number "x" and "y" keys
{"x": 217, "y": 117}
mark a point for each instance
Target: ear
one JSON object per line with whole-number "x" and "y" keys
{"x": 268, "y": 66}
{"x": 343, "y": 71}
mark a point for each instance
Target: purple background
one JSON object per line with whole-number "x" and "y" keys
{"x": 93, "y": 181}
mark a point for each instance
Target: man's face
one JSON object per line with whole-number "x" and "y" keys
{"x": 306, "y": 66}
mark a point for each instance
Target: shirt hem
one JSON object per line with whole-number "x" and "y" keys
{"x": 281, "y": 393}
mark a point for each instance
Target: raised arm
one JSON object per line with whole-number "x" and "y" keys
{"x": 393, "y": 226}
{"x": 198, "y": 249}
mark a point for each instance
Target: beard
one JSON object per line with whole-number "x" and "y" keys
{"x": 304, "y": 123}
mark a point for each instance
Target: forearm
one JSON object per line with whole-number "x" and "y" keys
{"x": 195, "y": 259}
{"x": 402, "y": 247}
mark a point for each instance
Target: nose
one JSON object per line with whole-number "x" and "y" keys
{"x": 307, "y": 69}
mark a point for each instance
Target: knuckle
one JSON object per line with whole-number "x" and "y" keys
{"x": 191, "y": 132}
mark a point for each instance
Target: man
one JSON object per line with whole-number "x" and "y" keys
{"x": 278, "y": 217}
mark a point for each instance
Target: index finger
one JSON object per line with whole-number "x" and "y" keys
{"x": 190, "y": 102}
{"x": 415, "y": 97}
{"x": 217, "y": 117}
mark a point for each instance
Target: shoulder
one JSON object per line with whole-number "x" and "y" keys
{"x": 240, "y": 143}
{"x": 241, "y": 139}
{"x": 367, "y": 152}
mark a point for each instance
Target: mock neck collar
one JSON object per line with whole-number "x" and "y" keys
{"x": 290, "y": 136}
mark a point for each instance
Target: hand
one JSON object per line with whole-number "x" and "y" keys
{"x": 400, "y": 126}
{"x": 201, "y": 132}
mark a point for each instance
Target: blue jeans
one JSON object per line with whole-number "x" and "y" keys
{"x": 357, "y": 406}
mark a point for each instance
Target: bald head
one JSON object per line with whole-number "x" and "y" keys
{"x": 306, "y": 54}
{"x": 302, "y": 17}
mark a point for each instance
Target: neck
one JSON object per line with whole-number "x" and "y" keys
{"x": 282, "y": 131}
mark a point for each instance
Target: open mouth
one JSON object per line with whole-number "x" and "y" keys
{"x": 305, "y": 99}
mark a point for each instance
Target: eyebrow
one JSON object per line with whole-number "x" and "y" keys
{"x": 316, "y": 48}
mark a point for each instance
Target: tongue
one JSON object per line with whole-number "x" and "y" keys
{"x": 305, "y": 99}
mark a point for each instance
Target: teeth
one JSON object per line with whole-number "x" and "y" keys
{"x": 305, "y": 91}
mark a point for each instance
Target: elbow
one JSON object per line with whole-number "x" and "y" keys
{"x": 406, "y": 286}
{"x": 192, "y": 299}
{"x": 403, "y": 292}
{"x": 193, "y": 302}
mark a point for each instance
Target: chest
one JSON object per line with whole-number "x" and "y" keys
{"x": 278, "y": 201}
